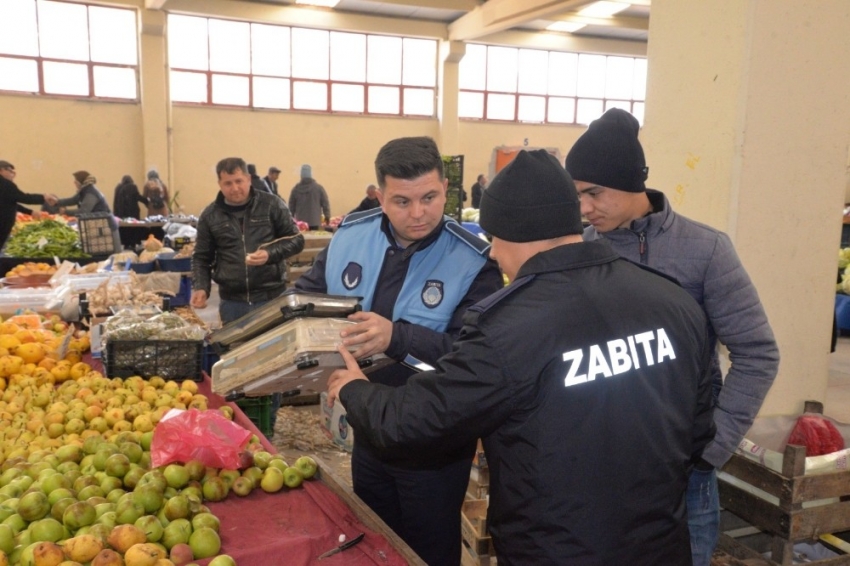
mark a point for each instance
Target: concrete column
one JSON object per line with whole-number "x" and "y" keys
{"x": 451, "y": 52}
{"x": 156, "y": 105}
{"x": 747, "y": 129}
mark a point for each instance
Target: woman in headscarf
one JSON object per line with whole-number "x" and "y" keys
{"x": 87, "y": 200}
{"x": 157, "y": 194}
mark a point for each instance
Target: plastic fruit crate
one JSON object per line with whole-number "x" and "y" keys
{"x": 167, "y": 262}
{"x": 259, "y": 410}
{"x": 96, "y": 233}
{"x": 169, "y": 359}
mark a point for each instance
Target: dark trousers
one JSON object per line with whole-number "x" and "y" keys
{"x": 421, "y": 505}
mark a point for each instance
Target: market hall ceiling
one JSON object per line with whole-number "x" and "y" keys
{"x": 467, "y": 20}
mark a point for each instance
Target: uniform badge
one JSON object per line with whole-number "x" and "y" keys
{"x": 432, "y": 293}
{"x": 351, "y": 275}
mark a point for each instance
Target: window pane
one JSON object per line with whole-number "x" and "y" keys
{"x": 63, "y": 31}
{"x": 384, "y": 64}
{"x": 66, "y": 78}
{"x": 348, "y": 98}
{"x": 501, "y": 106}
{"x": 532, "y": 109}
{"x": 115, "y": 82}
{"x": 113, "y": 35}
{"x": 187, "y": 43}
{"x": 309, "y": 96}
{"x": 230, "y": 47}
{"x": 621, "y": 104}
{"x": 348, "y": 57}
{"x": 562, "y": 110}
{"x": 227, "y": 89}
{"x": 18, "y": 74}
{"x": 188, "y": 87}
{"x": 419, "y": 101}
{"x": 420, "y": 62}
{"x": 472, "y": 70}
{"x": 640, "y": 80}
{"x": 309, "y": 55}
{"x": 22, "y": 37}
{"x": 270, "y": 50}
{"x": 533, "y": 71}
{"x": 470, "y": 105}
{"x": 588, "y": 111}
{"x": 591, "y": 76}
{"x": 271, "y": 93}
{"x": 619, "y": 77}
{"x": 383, "y": 100}
{"x": 563, "y": 70}
{"x": 502, "y": 69}
{"x": 637, "y": 111}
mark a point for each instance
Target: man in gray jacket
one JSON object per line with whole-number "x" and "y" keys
{"x": 308, "y": 200}
{"x": 609, "y": 169}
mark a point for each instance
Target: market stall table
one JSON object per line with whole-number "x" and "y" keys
{"x": 134, "y": 233}
{"x": 294, "y": 527}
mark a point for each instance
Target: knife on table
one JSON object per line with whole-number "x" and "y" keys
{"x": 344, "y": 546}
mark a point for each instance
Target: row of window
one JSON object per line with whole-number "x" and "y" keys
{"x": 72, "y": 49}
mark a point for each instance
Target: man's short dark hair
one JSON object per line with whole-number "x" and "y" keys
{"x": 408, "y": 158}
{"x": 6, "y": 165}
{"x": 481, "y": 176}
{"x": 229, "y": 165}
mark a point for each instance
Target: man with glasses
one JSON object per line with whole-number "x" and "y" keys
{"x": 10, "y": 196}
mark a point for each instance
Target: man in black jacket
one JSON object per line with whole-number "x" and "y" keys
{"x": 10, "y": 196}
{"x": 587, "y": 379}
{"x": 244, "y": 238}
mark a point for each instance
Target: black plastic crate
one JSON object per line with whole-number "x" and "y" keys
{"x": 259, "y": 410}
{"x": 96, "y": 233}
{"x": 169, "y": 359}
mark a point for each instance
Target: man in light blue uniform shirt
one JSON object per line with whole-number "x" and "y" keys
{"x": 417, "y": 272}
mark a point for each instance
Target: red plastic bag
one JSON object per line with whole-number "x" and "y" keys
{"x": 817, "y": 434}
{"x": 205, "y": 436}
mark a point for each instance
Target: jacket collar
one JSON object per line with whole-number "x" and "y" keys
{"x": 569, "y": 257}
{"x": 659, "y": 219}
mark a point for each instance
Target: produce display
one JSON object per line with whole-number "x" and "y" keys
{"x": 31, "y": 268}
{"x": 843, "y": 264}
{"x": 76, "y": 482}
{"x": 470, "y": 215}
{"x": 47, "y": 238}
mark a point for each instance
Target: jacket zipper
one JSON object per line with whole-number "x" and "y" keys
{"x": 642, "y": 247}
{"x": 245, "y": 249}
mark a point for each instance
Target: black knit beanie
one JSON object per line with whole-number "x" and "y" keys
{"x": 532, "y": 198}
{"x": 609, "y": 153}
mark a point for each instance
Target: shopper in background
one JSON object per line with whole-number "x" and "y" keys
{"x": 308, "y": 200}
{"x": 256, "y": 183}
{"x": 10, "y": 196}
{"x": 478, "y": 190}
{"x": 608, "y": 164}
{"x": 157, "y": 194}
{"x": 244, "y": 238}
{"x": 370, "y": 201}
{"x": 417, "y": 272}
{"x": 88, "y": 199}
{"x": 125, "y": 203}
{"x": 271, "y": 180}
{"x": 587, "y": 379}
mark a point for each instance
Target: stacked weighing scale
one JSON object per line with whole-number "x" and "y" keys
{"x": 288, "y": 345}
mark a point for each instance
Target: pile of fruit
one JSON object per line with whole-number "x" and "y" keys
{"x": 30, "y": 345}
{"x": 31, "y": 268}
{"x": 76, "y": 485}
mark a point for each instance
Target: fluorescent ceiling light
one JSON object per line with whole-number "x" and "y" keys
{"x": 603, "y": 9}
{"x": 568, "y": 27}
{"x": 322, "y": 3}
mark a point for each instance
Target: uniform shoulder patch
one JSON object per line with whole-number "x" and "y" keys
{"x": 487, "y": 303}
{"x": 480, "y": 246}
{"x": 356, "y": 217}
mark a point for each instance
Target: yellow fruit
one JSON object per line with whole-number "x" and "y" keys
{"x": 73, "y": 356}
{"x": 10, "y": 365}
{"x": 9, "y": 342}
{"x": 83, "y": 548}
{"x": 79, "y": 370}
{"x": 9, "y": 328}
{"x": 189, "y": 386}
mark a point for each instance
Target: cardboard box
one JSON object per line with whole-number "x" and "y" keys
{"x": 336, "y": 424}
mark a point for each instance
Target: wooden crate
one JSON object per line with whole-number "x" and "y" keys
{"x": 788, "y": 521}
{"x": 479, "y": 483}
{"x": 473, "y": 527}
